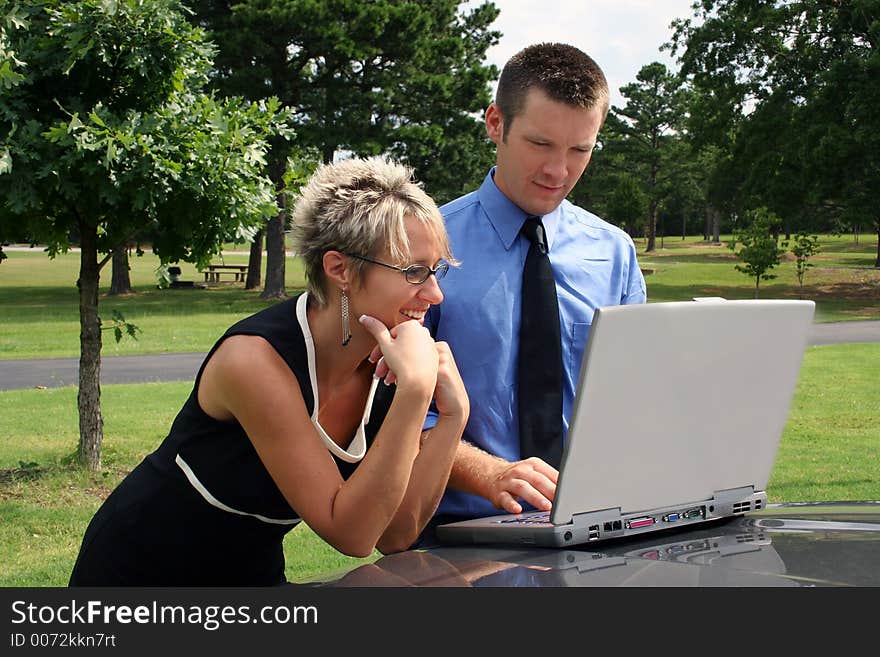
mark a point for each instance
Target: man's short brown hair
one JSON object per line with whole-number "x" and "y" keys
{"x": 564, "y": 73}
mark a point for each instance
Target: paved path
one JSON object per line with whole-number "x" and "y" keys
{"x": 57, "y": 372}
{"x": 840, "y": 332}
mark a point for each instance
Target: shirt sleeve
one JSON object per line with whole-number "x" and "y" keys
{"x": 636, "y": 291}
{"x": 430, "y": 419}
{"x": 432, "y": 318}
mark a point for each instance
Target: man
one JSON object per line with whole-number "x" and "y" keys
{"x": 551, "y": 101}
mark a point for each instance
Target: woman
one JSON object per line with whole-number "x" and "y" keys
{"x": 277, "y": 426}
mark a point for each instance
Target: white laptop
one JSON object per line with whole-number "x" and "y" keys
{"x": 676, "y": 421}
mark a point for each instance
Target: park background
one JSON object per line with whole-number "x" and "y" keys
{"x": 134, "y": 136}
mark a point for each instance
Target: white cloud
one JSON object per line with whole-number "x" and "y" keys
{"x": 621, "y": 35}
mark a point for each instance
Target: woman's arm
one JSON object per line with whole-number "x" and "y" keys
{"x": 247, "y": 380}
{"x": 432, "y": 465}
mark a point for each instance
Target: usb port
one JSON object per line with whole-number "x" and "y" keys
{"x": 635, "y": 523}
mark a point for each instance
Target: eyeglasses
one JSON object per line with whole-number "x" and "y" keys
{"x": 415, "y": 274}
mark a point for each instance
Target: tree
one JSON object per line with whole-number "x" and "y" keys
{"x": 803, "y": 247}
{"x": 648, "y": 121}
{"x": 760, "y": 252}
{"x": 365, "y": 78}
{"x": 628, "y": 205}
{"x": 120, "y": 278}
{"x": 105, "y": 134}
{"x": 803, "y": 73}
{"x": 255, "y": 262}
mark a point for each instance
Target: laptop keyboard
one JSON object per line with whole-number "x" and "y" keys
{"x": 536, "y": 519}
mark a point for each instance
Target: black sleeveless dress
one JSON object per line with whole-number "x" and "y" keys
{"x": 202, "y": 510}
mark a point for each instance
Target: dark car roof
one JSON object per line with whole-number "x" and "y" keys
{"x": 796, "y": 544}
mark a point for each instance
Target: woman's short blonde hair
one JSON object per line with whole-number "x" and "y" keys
{"x": 358, "y": 206}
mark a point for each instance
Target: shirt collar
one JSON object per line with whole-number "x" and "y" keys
{"x": 506, "y": 217}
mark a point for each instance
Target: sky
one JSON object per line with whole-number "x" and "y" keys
{"x": 621, "y": 35}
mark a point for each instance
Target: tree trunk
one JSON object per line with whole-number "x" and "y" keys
{"x": 276, "y": 253}
{"x": 877, "y": 262}
{"x": 91, "y": 423}
{"x": 715, "y": 217}
{"x": 120, "y": 279}
{"x": 255, "y": 262}
{"x": 652, "y": 227}
{"x": 275, "y": 256}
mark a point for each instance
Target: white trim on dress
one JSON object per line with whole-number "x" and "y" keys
{"x": 358, "y": 445}
{"x": 356, "y": 449}
{"x": 213, "y": 501}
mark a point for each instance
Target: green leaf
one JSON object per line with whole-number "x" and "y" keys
{"x": 75, "y": 123}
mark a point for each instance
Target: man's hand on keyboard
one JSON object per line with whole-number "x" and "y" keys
{"x": 532, "y": 481}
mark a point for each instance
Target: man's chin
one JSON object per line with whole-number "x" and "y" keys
{"x": 544, "y": 208}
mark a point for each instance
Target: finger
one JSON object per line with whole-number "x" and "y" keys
{"x": 525, "y": 491}
{"x": 390, "y": 378}
{"x": 507, "y": 502}
{"x": 375, "y": 355}
{"x": 382, "y": 368}
{"x": 376, "y": 328}
{"x": 538, "y": 479}
{"x": 544, "y": 468}
{"x": 545, "y": 487}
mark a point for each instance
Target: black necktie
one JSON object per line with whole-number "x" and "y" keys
{"x": 540, "y": 354}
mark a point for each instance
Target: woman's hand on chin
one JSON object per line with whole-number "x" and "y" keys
{"x": 409, "y": 355}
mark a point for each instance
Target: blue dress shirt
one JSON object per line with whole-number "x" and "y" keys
{"x": 594, "y": 264}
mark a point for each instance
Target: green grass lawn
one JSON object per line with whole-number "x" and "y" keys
{"x": 843, "y": 282}
{"x": 828, "y": 450}
{"x": 46, "y": 501}
{"x": 41, "y": 308}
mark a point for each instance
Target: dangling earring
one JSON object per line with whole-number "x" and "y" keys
{"x": 346, "y": 327}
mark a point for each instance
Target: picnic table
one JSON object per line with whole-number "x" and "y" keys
{"x": 215, "y": 271}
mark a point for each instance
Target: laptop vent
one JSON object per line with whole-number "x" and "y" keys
{"x": 742, "y": 507}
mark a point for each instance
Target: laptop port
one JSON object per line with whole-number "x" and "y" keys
{"x": 644, "y": 521}
{"x": 671, "y": 517}
{"x": 696, "y": 512}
